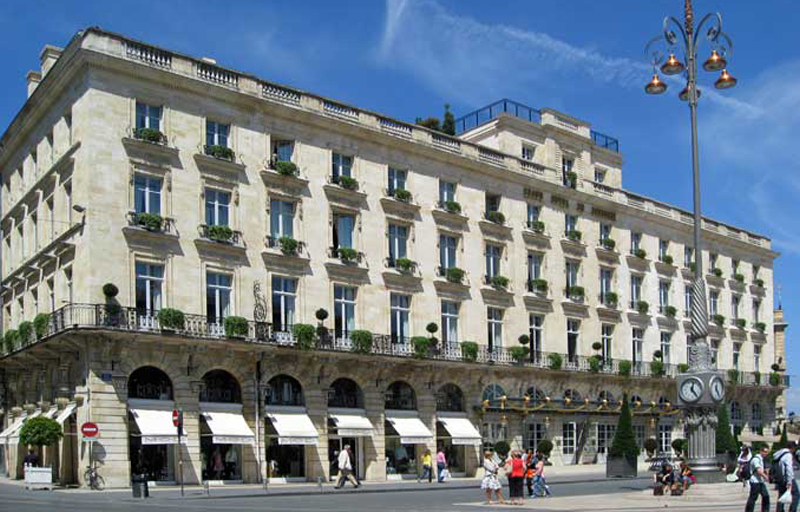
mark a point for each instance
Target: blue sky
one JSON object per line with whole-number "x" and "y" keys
{"x": 406, "y": 58}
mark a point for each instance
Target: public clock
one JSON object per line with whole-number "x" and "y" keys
{"x": 691, "y": 390}
{"x": 716, "y": 388}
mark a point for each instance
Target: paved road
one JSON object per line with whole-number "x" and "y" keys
{"x": 16, "y": 498}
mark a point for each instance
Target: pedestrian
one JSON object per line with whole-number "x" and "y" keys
{"x": 441, "y": 465}
{"x": 427, "y": 466}
{"x": 785, "y": 479}
{"x": 490, "y": 483}
{"x": 530, "y": 470}
{"x": 217, "y": 465}
{"x": 540, "y": 487}
{"x": 758, "y": 481}
{"x": 231, "y": 463}
{"x": 743, "y": 466}
{"x": 516, "y": 474}
{"x": 31, "y": 459}
{"x": 346, "y": 469}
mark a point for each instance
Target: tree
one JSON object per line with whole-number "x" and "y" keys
{"x": 449, "y": 122}
{"x": 725, "y": 441}
{"x": 624, "y": 443}
{"x": 430, "y": 123}
{"x": 40, "y": 431}
{"x": 782, "y": 442}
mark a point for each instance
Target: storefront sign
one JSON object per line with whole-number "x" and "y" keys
{"x": 416, "y": 440}
{"x": 297, "y": 440}
{"x": 355, "y": 432}
{"x": 466, "y": 442}
{"x": 233, "y": 440}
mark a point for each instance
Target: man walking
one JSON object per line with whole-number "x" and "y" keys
{"x": 758, "y": 482}
{"x": 785, "y": 478}
{"x": 346, "y": 469}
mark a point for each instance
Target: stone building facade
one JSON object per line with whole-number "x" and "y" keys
{"x": 225, "y": 211}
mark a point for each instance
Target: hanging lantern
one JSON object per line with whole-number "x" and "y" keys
{"x": 655, "y": 86}
{"x": 672, "y": 66}
{"x": 725, "y": 81}
{"x": 684, "y": 94}
{"x": 715, "y": 62}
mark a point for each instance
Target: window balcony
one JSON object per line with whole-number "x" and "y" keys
{"x": 151, "y": 223}
{"x": 287, "y": 245}
{"x": 346, "y": 255}
{"x": 220, "y": 237}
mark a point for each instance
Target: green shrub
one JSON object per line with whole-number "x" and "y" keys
{"x": 452, "y": 206}
{"x": 422, "y": 346}
{"x": 110, "y": 290}
{"x": 40, "y": 431}
{"x": 112, "y": 308}
{"x": 775, "y": 367}
{"x": 496, "y": 217}
{"x": 657, "y": 368}
{"x": 718, "y": 319}
{"x": 10, "y": 339}
{"x": 739, "y": 278}
{"x": 642, "y": 307}
{"x": 150, "y": 221}
{"x": 303, "y": 336}
{"x": 609, "y": 244}
{"x": 759, "y": 282}
{"x": 500, "y": 282}
{"x": 502, "y": 448}
{"x": 625, "y": 368}
{"x": 725, "y": 441}
{"x": 576, "y": 292}
{"x": 519, "y": 353}
{"x": 775, "y": 379}
{"x": 469, "y": 351}
{"x": 761, "y": 326}
{"x": 539, "y": 285}
{"x": 574, "y": 235}
{"x": 693, "y": 266}
{"x": 362, "y": 341}
{"x": 650, "y": 445}
{"x": 597, "y": 345}
{"x": 733, "y": 376}
{"x": 595, "y": 363}
{"x": 555, "y": 361}
{"x": 288, "y": 245}
{"x": 170, "y": 318}
{"x": 347, "y": 254}
{"x": 545, "y": 446}
{"x": 41, "y": 323}
{"x": 432, "y": 328}
{"x": 402, "y": 195}
{"x": 683, "y": 367}
{"x": 537, "y": 226}
{"x": 640, "y": 253}
{"x": 572, "y": 178}
{"x": 219, "y": 233}
{"x": 348, "y": 183}
{"x": 680, "y": 445}
{"x": 667, "y": 259}
{"x": 150, "y": 135}
{"x": 612, "y": 299}
{"x": 405, "y": 264}
{"x": 24, "y": 330}
{"x": 322, "y": 332}
{"x": 782, "y": 442}
{"x": 624, "y": 442}
{"x": 741, "y": 323}
{"x": 220, "y": 151}
{"x": 321, "y": 314}
{"x": 286, "y": 168}
{"x": 236, "y": 326}
{"x": 670, "y": 311}
{"x": 455, "y": 275}
{"x": 524, "y": 339}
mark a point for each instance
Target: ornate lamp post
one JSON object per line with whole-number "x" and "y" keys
{"x": 702, "y": 388}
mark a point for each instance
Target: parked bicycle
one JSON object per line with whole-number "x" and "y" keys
{"x": 94, "y": 480}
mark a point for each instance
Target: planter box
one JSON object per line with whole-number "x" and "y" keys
{"x": 38, "y": 478}
{"x": 621, "y": 467}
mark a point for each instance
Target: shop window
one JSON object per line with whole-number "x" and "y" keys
{"x": 401, "y": 396}
{"x": 149, "y": 383}
{"x": 221, "y": 387}
{"x": 345, "y": 393}
{"x": 450, "y": 398}
{"x": 284, "y": 390}
{"x": 493, "y": 392}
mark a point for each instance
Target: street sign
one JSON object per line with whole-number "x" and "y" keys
{"x": 176, "y": 418}
{"x": 90, "y": 431}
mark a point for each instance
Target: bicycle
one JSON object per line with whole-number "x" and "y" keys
{"x": 94, "y": 480}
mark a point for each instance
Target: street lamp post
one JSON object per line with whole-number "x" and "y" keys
{"x": 701, "y": 389}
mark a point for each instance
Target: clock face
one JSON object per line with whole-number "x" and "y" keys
{"x": 717, "y": 389}
{"x": 691, "y": 390}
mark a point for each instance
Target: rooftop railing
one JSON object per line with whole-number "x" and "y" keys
{"x": 486, "y": 114}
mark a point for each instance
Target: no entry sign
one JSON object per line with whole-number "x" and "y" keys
{"x": 176, "y": 418}
{"x": 90, "y": 431}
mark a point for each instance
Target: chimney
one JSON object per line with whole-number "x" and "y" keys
{"x": 34, "y": 77}
{"x": 48, "y": 58}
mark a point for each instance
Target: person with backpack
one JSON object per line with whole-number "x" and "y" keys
{"x": 530, "y": 470}
{"x": 743, "y": 463}
{"x": 782, "y": 475}
{"x": 758, "y": 482}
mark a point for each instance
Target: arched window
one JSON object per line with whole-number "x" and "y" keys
{"x": 345, "y": 393}
{"x": 535, "y": 395}
{"x": 493, "y": 392}
{"x": 756, "y": 412}
{"x": 573, "y": 395}
{"x": 284, "y": 390}
{"x": 221, "y": 387}
{"x": 662, "y": 402}
{"x": 606, "y": 395}
{"x": 450, "y": 399}
{"x": 636, "y": 399}
{"x": 736, "y": 411}
{"x": 150, "y": 383}
{"x": 401, "y": 396}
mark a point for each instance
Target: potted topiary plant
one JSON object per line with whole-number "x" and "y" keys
{"x": 288, "y": 245}
{"x": 171, "y": 319}
{"x": 236, "y": 327}
{"x": 10, "y": 340}
{"x": 422, "y": 346}
{"x": 717, "y": 272}
{"x": 650, "y": 446}
{"x": 455, "y": 275}
{"x": 667, "y": 259}
{"x": 537, "y": 226}
{"x": 545, "y": 446}
{"x": 625, "y": 368}
{"x": 322, "y": 332}
{"x": 24, "y": 331}
{"x": 303, "y": 336}
{"x": 609, "y": 244}
{"x": 502, "y": 448}
{"x": 733, "y": 376}
{"x": 110, "y": 290}
{"x": 574, "y": 235}
{"x": 149, "y": 221}
{"x": 348, "y": 183}
{"x": 286, "y": 168}
{"x": 469, "y": 351}
{"x": 683, "y": 367}
{"x": 670, "y": 311}
{"x": 347, "y": 254}
{"x": 519, "y": 354}
{"x": 405, "y": 265}
{"x": 623, "y": 452}
{"x": 402, "y": 195}
{"x": 642, "y": 307}
{"x": 555, "y": 361}
{"x": 496, "y": 217}
{"x": 539, "y": 286}
{"x": 595, "y": 363}
{"x": 611, "y": 299}
{"x": 362, "y": 341}
{"x": 40, "y": 431}
{"x": 41, "y": 324}
{"x": 219, "y": 233}
{"x": 452, "y": 207}
{"x": 640, "y": 253}
{"x": 500, "y": 282}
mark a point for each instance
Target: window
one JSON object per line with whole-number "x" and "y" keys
{"x": 636, "y": 242}
{"x": 735, "y": 266}
{"x": 217, "y": 133}
{"x": 663, "y": 249}
{"x": 148, "y": 116}
{"x": 536, "y": 334}
{"x": 638, "y": 432}
{"x": 217, "y": 207}
{"x": 68, "y": 282}
{"x": 570, "y": 224}
{"x": 735, "y": 300}
{"x": 397, "y": 180}
{"x": 492, "y": 432}
{"x": 566, "y": 168}
{"x": 756, "y": 310}
{"x": 49, "y": 209}
{"x": 663, "y": 296}
{"x": 568, "y": 438}
{"x": 493, "y": 392}
{"x": 606, "y": 338}
{"x": 494, "y": 317}
{"x": 23, "y": 250}
{"x": 599, "y": 175}
{"x": 34, "y": 163}
{"x": 147, "y": 194}
{"x": 736, "y": 411}
{"x": 688, "y": 256}
{"x": 282, "y": 151}
{"x": 35, "y": 234}
{"x": 284, "y": 298}
{"x": 605, "y": 231}
{"x": 636, "y": 290}
{"x": 342, "y": 166}
{"x": 666, "y": 343}
{"x": 343, "y": 225}
{"x": 281, "y": 218}
{"x": 573, "y": 331}
{"x": 756, "y": 270}
{"x": 398, "y": 238}
{"x": 344, "y": 306}
{"x": 450, "y": 321}
{"x": 737, "y": 350}
{"x": 757, "y": 358}
{"x": 149, "y": 279}
{"x": 687, "y": 298}
{"x": 534, "y": 267}
{"x": 528, "y": 152}
{"x": 447, "y": 251}
{"x": 51, "y": 294}
{"x": 712, "y": 261}
{"x": 218, "y": 296}
{"x": 35, "y": 301}
{"x": 605, "y": 434}
{"x": 606, "y": 277}
{"x": 637, "y": 348}
{"x": 533, "y": 215}
{"x": 493, "y": 253}
{"x": 572, "y": 273}
{"x": 68, "y": 124}
{"x": 534, "y": 434}
{"x": 756, "y": 413}
{"x": 400, "y": 309}
{"x": 714, "y": 352}
{"x": 51, "y": 147}
{"x": 713, "y": 299}
{"x": 447, "y": 192}
{"x": 492, "y": 203}
{"x": 665, "y": 438}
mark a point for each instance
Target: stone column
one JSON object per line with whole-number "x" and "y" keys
{"x": 317, "y": 465}
{"x": 187, "y": 399}
{"x": 250, "y": 468}
{"x": 426, "y": 405}
{"x": 375, "y": 446}
{"x": 701, "y": 429}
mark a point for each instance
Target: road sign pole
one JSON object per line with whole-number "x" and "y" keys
{"x": 180, "y": 449}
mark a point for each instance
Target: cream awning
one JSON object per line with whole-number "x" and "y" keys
{"x": 410, "y": 429}
{"x": 66, "y": 413}
{"x": 14, "y": 436}
{"x": 293, "y": 428}
{"x": 12, "y": 429}
{"x": 51, "y": 412}
{"x": 461, "y": 430}
{"x": 352, "y": 423}
{"x": 155, "y": 426}
{"x": 228, "y": 427}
